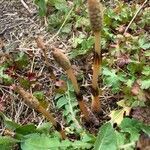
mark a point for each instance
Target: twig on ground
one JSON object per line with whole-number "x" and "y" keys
{"x": 135, "y": 16}
{"x": 32, "y": 65}
{"x": 26, "y": 6}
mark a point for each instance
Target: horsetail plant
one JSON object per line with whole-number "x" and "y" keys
{"x": 33, "y": 103}
{"x": 64, "y": 62}
{"x": 42, "y": 46}
{"x": 96, "y": 20}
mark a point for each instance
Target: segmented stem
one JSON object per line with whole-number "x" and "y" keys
{"x": 64, "y": 62}
{"x": 96, "y": 20}
{"x": 32, "y": 102}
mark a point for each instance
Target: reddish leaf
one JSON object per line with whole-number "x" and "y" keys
{"x": 11, "y": 71}
{"x": 31, "y": 76}
{"x": 122, "y": 60}
{"x": 60, "y": 86}
{"x": 143, "y": 142}
{"x": 121, "y": 28}
{"x": 135, "y": 89}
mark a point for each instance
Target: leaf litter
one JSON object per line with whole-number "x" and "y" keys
{"x": 19, "y": 32}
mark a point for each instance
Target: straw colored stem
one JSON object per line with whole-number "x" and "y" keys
{"x": 73, "y": 80}
{"x": 88, "y": 115}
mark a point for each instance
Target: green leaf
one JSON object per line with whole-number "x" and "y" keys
{"x": 39, "y": 95}
{"x": 82, "y": 46}
{"x": 69, "y": 104}
{"x": 25, "y": 83}
{"x": 145, "y": 84}
{"x": 132, "y": 127}
{"x": 112, "y": 79}
{"x": 6, "y": 143}
{"x": 106, "y": 139}
{"x": 26, "y": 129}
{"x": 67, "y": 28}
{"x": 146, "y": 70}
{"x": 80, "y": 145}
{"x": 143, "y": 43}
{"x": 41, "y": 98}
{"x": 146, "y": 46}
{"x": 61, "y": 102}
{"x": 9, "y": 123}
{"x": 46, "y": 142}
{"x": 44, "y": 127}
{"x": 21, "y": 60}
{"x": 39, "y": 142}
{"x": 61, "y": 5}
{"x": 147, "y": 53}
{"x": 7, "y": 80}
{"x": 120, "y": 138}
{"x": 146, "y": 129}
{"x": 42, "y": 7}
{"x": 135, "y": 67}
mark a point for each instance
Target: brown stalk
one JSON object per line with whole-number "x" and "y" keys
{"x": 64, "y": 62}
{"x": 42, "y": 46}
{"x": 32, "y": 102}
{"x": 96, "y": 19}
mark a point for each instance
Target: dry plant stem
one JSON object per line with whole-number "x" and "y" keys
{"x": 33, "y": 103}
{"x": 26, "y": 6}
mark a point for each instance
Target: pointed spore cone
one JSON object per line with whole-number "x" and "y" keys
{"x": 96, "y": 14}
{"x": 33, "y": 103}
{"x": 61, "y": 59}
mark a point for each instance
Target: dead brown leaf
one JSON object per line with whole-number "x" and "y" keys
{"x": 122, "y": 60}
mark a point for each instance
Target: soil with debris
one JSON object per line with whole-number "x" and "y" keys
{"x": 18, "y": 29}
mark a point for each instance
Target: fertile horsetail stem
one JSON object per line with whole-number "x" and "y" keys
{"x": 96, "y": 20}
{"x": 64, "y": 62}
{"x": 95, "y": 14}
{"x": 33, "y": 103}
{"x": 42, "y": 46}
